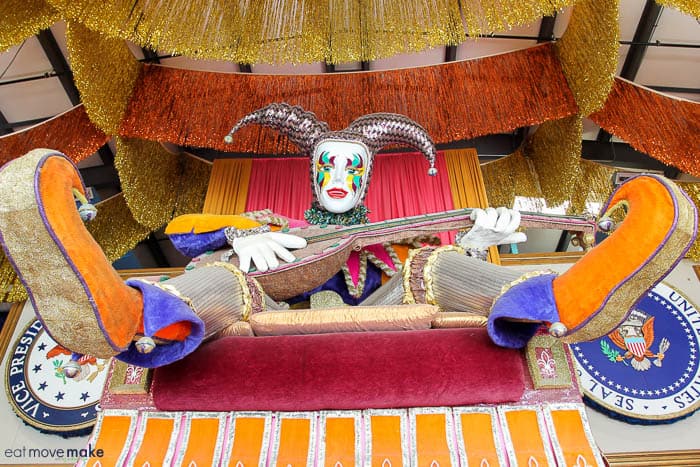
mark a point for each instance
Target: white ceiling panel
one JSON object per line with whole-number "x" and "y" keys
{"x": 24, "y": 60}
{"x": 630, "y": 14}
{"x": 429, "y": 57}
{"x": 33, "y": 99}
{"x": 206, "y": 65}
{"x": 675, "y": 26}
{"x": 670, "y": 66}
{"x": 302, "y": 69}
{"x": 484, "y": 46}
{"x": 59, "y": 32}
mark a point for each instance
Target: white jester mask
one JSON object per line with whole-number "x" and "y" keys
{"x": 341, "y": 161}
{"x": 340, "y": 171}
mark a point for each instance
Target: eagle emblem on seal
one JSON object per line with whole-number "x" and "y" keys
{"x": 635, "y": 337}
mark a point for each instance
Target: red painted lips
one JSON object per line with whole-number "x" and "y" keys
{"x": 337, "y": 193}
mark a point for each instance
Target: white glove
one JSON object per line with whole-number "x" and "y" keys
{"x": 492, "y": 227}
{"x": 264, "y": 249}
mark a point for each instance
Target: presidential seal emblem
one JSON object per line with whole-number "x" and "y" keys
{"x": 39, "y": 391}
{"x": 646, "y": 371}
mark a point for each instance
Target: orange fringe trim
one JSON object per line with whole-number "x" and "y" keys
{"x": 663, "y": 127}
{"x": 453, "y": 101}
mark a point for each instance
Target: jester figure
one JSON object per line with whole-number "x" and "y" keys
{"x": 340, "y": 166}
{"x": 87, "y": 308}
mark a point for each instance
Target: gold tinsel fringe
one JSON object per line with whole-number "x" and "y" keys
{"x": 71, "y": 133}
{"x": 508, "y": 177}
{"x": 515, "y": 175}
{"x": 555, "y": 151}
{"x": 22, "y": 19}
{"x": 693, "y": 191}
{"x": 115, "y": 228}
{"x": 150, "y": 178}
{"x": 689, "y": 7}
{"x": 270, "y": 31}
{"x": 588, "y": 52}
{"x": 664, "y": 127}
{"x": 11, "y": 289}
{"x": 593, "y": 186}
{"x": 105, "y": 72}
{"x": 193, "y": 186}
{"x": 458, "y": 100}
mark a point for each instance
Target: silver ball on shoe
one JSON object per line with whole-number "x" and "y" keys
{"x": 228, "y": 139}
{"x": 145, "y": 345}
{"x": 71, "y": 369}
{"x": 606, "y": 224}
{"x": 87, "y": 212}
{"x": 558, "y": 329}
{"x": 432, "y": 171}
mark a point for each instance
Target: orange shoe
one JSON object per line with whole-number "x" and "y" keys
{"x": 77, "y": 295}
{"x": 598, "y": 292}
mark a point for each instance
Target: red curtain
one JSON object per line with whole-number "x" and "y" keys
{"x": 399, "y": 187}
{"x": 281, "y": 185}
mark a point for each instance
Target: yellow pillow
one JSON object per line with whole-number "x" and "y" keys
{"x": 343, "y": 319}
{"x": 458, "y": 319}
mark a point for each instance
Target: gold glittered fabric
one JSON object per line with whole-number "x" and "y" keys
{"x": 594, "y": 185}
{"x": 13, "y": 290}
{"x": 452, "y": 101}
{"x": 157, "y": 184}
{"x": 115, "y": 229}
{"x": 71, "y": 133}
{"x": 149, "y": 177}
{"x": 193, "y": 185}
{"x": 664, "y": 127}
{"x": 105, "y": 71}
{"x": 510, "y": 176}
{"x": 693, "y": 191}
{"x": 555, "y": 151}
{"x": 304, "y": 31}
{"x": 515, "y": 175}
{"x": 588, "y": 52}
{"x": 22, "y": 19}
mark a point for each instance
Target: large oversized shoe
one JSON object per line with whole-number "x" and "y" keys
{"x": 79, "y": 298}
{"x": 593, "y": 297}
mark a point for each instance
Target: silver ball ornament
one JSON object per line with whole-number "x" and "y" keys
{"x": 228, "y": 139}
{"x": 145, "y": 345}
{"x": 606, "y": 224}
{"x": 432, "y": 171}
{"x": 71, "y": 369}
{"x": 558, "y": 329}
{"x": 87, "y": 212}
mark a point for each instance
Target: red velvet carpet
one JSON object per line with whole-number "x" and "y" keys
{"x": 343, "y": 371}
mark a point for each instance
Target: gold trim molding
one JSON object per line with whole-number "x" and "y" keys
{"x": 654, "y": 458}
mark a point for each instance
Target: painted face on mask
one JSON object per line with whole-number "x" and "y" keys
{"x": 340, "y": 171}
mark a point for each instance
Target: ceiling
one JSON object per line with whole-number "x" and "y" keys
{"x": 659, "y": 48}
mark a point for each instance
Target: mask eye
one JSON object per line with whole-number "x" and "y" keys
{"x": 325, "y": 168}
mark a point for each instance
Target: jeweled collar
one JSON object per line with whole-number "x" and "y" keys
{"x": 318, "y": 216}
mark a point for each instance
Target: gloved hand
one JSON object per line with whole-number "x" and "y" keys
{"x": 492, "y": 227}
{"x": 263, "y": 249}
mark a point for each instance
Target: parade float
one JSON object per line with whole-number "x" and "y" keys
{"x": 412, "y": 375}
{"x": 399, "y": 378}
